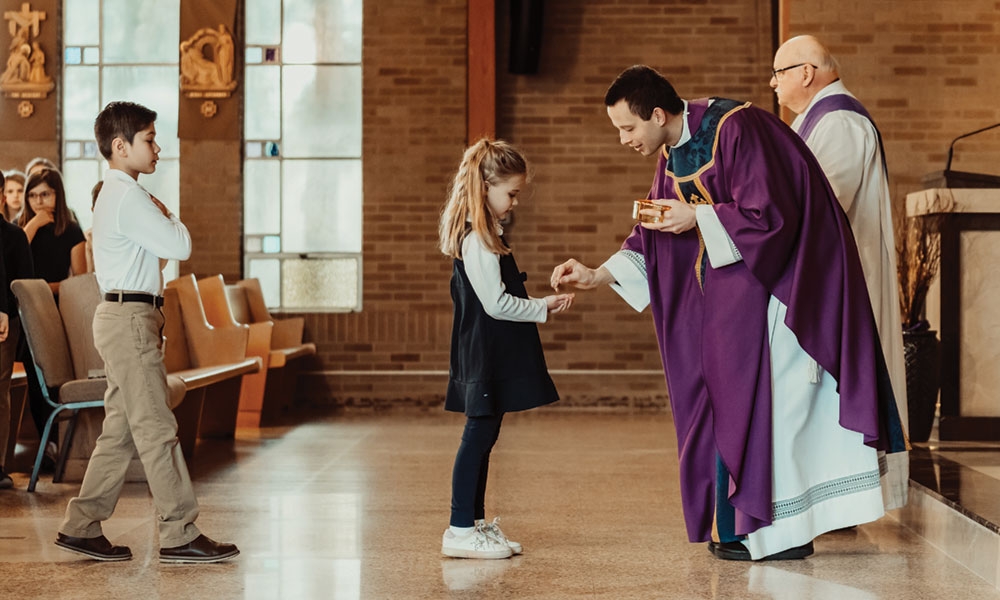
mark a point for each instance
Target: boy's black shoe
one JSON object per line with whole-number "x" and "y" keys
{"x": 201, "y": 549}
{"x": 97, "y": 548}
{"x": 5, "y": 481}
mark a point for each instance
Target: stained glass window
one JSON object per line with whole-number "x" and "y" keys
{"x": 119, "y": 50}
{"x": 302, "y": 172}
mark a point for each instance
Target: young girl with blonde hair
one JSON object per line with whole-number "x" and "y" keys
{"x": 497, "y": 364}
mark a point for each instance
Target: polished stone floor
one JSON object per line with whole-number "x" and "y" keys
{"x": 353, "y": 506}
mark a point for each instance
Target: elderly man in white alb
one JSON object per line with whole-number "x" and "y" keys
{"x": 843, "y": 136}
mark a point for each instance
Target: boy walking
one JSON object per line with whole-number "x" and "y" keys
{"x": 134, "y": 234}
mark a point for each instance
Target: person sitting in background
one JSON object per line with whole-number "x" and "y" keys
{"x": 58, "y": 245}
{"x": 13, "y": 196}
{"x": 16, "y": 264}
{"x": 38, "y": 163}
{"x": 58, "y": 250}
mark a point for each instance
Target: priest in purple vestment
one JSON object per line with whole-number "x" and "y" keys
{"x": 778, "y": 389}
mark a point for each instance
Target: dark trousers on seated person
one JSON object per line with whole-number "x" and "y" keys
{"x": 472, "y": 463}
{"x": 8, "y": 352}
{"x": 137, "y": 417}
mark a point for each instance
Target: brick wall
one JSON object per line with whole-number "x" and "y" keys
{"x": 927, "y": 73}
{"x": 414, "y": 135}
{"x": 926, "y": 70}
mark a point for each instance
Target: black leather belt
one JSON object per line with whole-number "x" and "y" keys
{"x": 156, "y": 301}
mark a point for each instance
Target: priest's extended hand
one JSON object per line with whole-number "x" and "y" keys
{"x": 580, "y": 276}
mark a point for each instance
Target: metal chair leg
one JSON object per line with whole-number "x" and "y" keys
{"x": 67, "y": 443}
{"x": 41, "y": 450}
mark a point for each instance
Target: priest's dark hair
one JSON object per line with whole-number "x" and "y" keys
{"x": 644, "y": 89}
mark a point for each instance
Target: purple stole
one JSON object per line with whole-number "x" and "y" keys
{"x": 834, "y": 103}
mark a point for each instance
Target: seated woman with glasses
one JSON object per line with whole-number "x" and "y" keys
{"x": 58, "y": 245}
{"x": 58, "y": 248}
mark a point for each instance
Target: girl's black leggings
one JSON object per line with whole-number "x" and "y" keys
{"x": 468, "y": 479}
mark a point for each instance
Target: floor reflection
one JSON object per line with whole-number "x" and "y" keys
{"x": 462, "y": 575}
{"x": 780, "y": 584}
{"x": 352, "y": 507}
{"x": 964, "y": 475}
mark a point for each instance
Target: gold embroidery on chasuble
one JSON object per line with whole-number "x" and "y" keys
{"x": 692, "y": 190}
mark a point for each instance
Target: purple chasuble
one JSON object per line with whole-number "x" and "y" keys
{"x": 773, "y": 200}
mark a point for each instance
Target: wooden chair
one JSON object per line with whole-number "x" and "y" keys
{"x": 212, "y": 291}
{"x": 246, "y": 304}
{"x": 287, "y": 336}
{"x": 61, "y": 388}
{"x": 78, "y": 299}
{"x": 203, "y": 355}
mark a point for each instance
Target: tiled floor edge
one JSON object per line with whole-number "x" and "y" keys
{"x": 930, "y": 516}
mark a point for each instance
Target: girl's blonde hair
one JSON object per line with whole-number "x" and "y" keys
{"x": 485, "y": 163}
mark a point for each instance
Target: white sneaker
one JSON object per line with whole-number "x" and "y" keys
{"x": 493, "y": 529}
{"x": 477, "y": 544}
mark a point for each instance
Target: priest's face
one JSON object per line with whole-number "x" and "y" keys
{"x": 645, "y": 137}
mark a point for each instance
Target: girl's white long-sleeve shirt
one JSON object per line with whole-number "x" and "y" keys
{"x": 482, "y": 267}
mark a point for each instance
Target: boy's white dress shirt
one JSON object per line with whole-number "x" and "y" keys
{"x": 131, "y": 235}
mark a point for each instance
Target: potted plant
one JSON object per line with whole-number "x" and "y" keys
{"x": 918, "y": 254}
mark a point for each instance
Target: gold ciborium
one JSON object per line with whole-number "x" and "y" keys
{"x": 656, "y": 216}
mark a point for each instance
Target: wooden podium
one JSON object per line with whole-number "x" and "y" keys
{"x": 964, "y": 306}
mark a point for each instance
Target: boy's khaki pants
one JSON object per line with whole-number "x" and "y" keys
{"x": 137, "y": 417}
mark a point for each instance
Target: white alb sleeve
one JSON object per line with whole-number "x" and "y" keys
{"x": 720, "y": 247}
{"x": 628, "y": 267}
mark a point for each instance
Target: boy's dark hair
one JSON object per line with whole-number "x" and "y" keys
{"x": 3, "y": 181}
{"x": 120, "y": 120}
{"x": 643, "y": 89}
